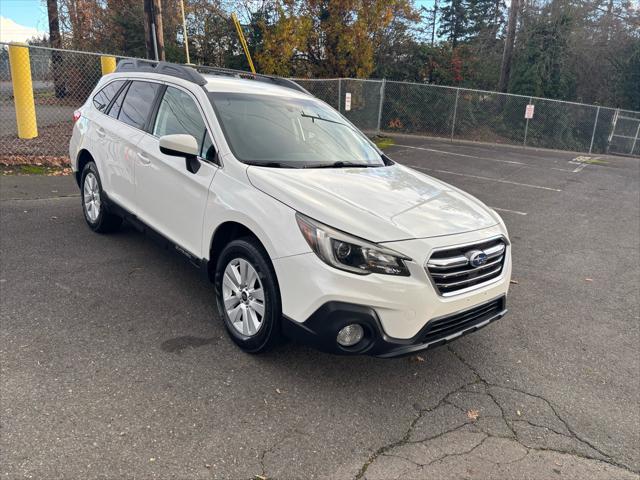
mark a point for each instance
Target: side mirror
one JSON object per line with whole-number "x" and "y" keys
{"x": 182, "y": 145}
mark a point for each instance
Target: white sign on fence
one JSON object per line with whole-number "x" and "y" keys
{"x": 347, "y": 102}
{"x": 528, "y": 113}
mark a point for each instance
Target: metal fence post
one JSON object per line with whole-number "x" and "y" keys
{"x": 339, "y": 92}
{"x": 455, "y": 113}
{"x": 381, "y": 102}
{"x": 526, "y": 128}
{"x": 614, "y": 122}
{"x": 595, "y": 124}
{"x": 633, "y": 147}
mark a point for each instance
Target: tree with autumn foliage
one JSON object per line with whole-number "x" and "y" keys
{"x": 583, "y": 50}
{"x": 328, "y": 38}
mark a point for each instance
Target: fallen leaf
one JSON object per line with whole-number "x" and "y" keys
{"x": 473, "y": 415}
{"x": 206, "y": 465}
{"x": 417, "y": 359}
{"x": 519, "y": 413}
{"x": 515, "y": 282}
{"x": 260, "y": 477}
{"x": 588, "y": 279}
{"x": 278, "y": 391}
{"x": 152, "y": 459}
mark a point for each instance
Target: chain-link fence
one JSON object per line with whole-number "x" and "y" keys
{"x": 61, "y": 81}
{"x": 476, "y": 115}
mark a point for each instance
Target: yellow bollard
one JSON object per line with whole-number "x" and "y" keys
{"x": 23, "y": 91}
{"x": 108, "y": 65}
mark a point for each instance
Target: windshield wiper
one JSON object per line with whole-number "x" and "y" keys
{"x": 342, "y": 164}
{"x": 271, "y": 164}
{"x": 318, "y": 117}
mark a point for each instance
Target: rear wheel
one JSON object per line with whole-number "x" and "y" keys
{"x": 247, "y": 296}
{"x": 95, "y": 210}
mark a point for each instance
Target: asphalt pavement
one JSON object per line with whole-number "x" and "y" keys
{"x": 113, "y": 362}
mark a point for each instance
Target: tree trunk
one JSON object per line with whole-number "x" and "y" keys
{"x": 434, "y": 22}
{"x": 157, "y": 10}
{"x": 55, "y": 42}
{"x": 149, "y": 40}
{"x": 507, "y": 55}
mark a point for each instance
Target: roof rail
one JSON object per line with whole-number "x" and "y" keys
{"x": 164, "y": 68}
{"x": 192, "y": 73}
{"x": 280, "y": 81}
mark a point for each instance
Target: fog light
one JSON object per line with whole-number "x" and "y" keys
{"x": 350, "y": 335}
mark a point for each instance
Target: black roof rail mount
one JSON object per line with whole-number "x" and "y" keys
{"x": 193, "y": 74}
{"x": 163, "y": 68}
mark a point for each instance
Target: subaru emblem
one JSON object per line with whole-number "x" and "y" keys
{"x": 477, "y": 258}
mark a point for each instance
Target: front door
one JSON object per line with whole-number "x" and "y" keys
{"x": 170, "y": 198}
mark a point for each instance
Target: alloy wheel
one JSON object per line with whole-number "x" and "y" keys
{"x": 91, "y": 197}
{"x": 243, "y": 297}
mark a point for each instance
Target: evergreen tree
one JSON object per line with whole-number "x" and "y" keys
{"x": 540, "y": 67}
{"x": 454, "y": 21}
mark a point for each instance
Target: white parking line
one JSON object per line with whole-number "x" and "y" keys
{"x": 460, "y": 154}
{"x": 540, "y": 187}
{"x": 512, "y": 162}
{"x": 509, "y": 211}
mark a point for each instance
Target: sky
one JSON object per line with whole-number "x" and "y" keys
{"x": 22, "y": 19}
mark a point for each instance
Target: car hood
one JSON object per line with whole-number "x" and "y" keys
{"x": 379, "y": 204}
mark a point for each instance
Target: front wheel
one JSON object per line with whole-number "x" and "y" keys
{"x": 247, "y": 296}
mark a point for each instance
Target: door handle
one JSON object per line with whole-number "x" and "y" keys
{"x": 100, "y": 132}
{"x": 144, "y": 159}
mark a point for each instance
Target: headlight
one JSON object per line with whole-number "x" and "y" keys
{"x": 349, "y": 253}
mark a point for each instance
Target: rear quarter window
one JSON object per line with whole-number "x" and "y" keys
{"x": 138, "y": 103}
{"x": 102, "y": 99}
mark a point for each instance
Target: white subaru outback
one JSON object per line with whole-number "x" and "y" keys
{"x": 307, "y": 230}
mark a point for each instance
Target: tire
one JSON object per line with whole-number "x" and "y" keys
{"x": 252, "y": 320}
{"x": 93, "y": 199}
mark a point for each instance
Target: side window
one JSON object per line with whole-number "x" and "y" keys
{"x": 114, "y": 111}
{"x": 178, "y": 113}
{"x": 102, "y": 99}
{"x": 138, "y": 103}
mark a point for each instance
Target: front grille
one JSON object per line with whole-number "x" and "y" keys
{"x": 444, "y": 327}
{"x": 452, "y": 272}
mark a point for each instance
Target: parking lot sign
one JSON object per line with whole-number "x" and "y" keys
{"x": 528, "y": 113}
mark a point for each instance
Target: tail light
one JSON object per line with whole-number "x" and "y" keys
{"x": 76, "y": 115}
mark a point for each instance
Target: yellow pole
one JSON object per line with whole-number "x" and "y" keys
{"x": 243, "y": 42}
{"x": 108, "y": 64}
{"x": 184, "y": 33}
{"x": 23, "y": 90}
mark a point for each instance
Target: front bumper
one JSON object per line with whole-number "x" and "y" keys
{"x": 403, "y": 306}
{"x": 321, "y": 328}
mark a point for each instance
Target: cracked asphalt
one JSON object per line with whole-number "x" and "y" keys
{"x": 113, "y": 362}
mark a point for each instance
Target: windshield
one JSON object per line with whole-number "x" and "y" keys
{"x": 290, "y": 132}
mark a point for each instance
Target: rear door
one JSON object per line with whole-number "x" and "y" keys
{"x": 170, "y": 198}
{"x": 122, "y": 130}
{"x": 102, "y": 128}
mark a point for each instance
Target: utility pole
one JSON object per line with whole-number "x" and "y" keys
{"x": 507, "y": 54}
{"x": 154, "y": 38}
{"x": 184, "y": 34}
